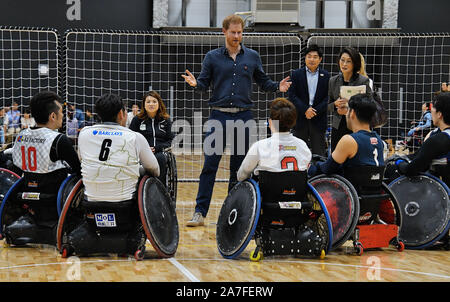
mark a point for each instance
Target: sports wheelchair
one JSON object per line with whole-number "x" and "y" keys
{"x": 425, "y": 206}
{"x": 28, "y": 215}
{"x": 87, "y": 227}
{"x": 361, "y": 207}
{"x": 281, "y": 211}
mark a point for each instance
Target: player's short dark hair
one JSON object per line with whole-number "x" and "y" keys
{"x": 442, "y": 104}
{"x": 284, "y": 112}
{"x": 43, "y": 104}
{"x": 108, "y": 106}
{"x": 364, "y": 107}
{"x": 354, "y": 55}
{"x": 314, "y": 47}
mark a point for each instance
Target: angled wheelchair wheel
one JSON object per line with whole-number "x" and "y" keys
{"x": 71, "y": 216}
{"x": 238, "y": 219}
{"x": 389, "y": 211}
{"x": 64, "y": 191}
{"x": 10, "y": 209}
{"x": 320, "y": 220}
{"x": 172, "y": 177}
{"x": 342, "y": 203}
{"x": 158, "y": 216}
{"x": 425, "y": 207}
{"x": 7, "y": 179}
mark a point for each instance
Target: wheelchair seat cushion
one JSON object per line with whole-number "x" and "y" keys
{"x": 105, "y": 215}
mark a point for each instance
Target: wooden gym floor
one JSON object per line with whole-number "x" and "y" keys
{"x": 197, "y": 259}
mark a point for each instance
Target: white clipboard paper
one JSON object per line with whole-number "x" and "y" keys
{"x": 348, "y": 91}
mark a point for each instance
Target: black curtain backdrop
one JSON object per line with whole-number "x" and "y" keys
{"x": 94, "y": 14}
{"x": 423, "y": 16}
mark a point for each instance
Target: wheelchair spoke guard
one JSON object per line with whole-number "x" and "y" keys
{"x": 158, "y": 216}
{"x": 238, "y": 219}
{"x": 342, "y": 203}
{"x": 425, "y": 207}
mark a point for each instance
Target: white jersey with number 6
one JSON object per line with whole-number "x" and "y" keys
{"x": 110, "y": 156}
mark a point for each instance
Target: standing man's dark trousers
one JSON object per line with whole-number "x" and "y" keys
{"x": 337, "y": 134}
{"x": 212, "y": 159}
{"x": 314, "y": 137}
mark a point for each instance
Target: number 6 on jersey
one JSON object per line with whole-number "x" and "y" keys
{"x": 104, "y": 151}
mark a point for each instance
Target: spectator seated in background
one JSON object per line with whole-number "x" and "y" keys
{"x": 12, "y": 122}
{"x": 417, "y": 133}
{"x": 27, "y": 121}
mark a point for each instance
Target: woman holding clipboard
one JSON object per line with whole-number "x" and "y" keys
{"x": 341, "y": 87}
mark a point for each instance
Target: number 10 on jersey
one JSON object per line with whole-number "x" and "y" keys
{"x": 29, "y": 154}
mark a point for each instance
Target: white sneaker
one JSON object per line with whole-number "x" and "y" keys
{"x": 197, "y": 220}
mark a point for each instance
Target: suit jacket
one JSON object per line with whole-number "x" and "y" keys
{"x": 334, "y": 89}
{"x": 299, "y": 96}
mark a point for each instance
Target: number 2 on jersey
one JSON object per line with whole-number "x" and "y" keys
{"x": 289, "y": 160}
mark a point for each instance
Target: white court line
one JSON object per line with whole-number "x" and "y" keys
{"x": 60, "y": 263}
{"x": 178, "y": 265}
{"x": 335, "y": 264}
{"x": 184, "y": 270}
{"x": 192, "y": 278}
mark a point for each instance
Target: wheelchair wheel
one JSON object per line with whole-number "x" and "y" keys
{"x": 341, "y": 200}
{"x": 10, "y": 210}
{"x": 71, "y": 216}
{"x": 172, "y": 177}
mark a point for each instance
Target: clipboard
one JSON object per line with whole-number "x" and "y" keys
{"x": 347, "y": 92}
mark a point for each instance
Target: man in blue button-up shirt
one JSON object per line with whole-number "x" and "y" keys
{"x": 230, "y": 70}
{"x": 309, "y": 94}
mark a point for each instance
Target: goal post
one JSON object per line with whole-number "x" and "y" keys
{"x": 131, "y": 63}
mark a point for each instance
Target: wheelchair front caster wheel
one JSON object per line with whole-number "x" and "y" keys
{"x": 139, "y": 254}
{"x": 322, "y": 255}
{"x": 359, "y": 248}
{"x": 400, "y": 246}
{"x": 256, "y": 256}
{"x": 66, "y": 251}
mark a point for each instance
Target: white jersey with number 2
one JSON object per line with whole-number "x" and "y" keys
{"x": 280, "y": 152}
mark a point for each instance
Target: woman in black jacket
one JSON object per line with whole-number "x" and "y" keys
{"x": 154, "y": 124}
{"x": 349, "y": 62}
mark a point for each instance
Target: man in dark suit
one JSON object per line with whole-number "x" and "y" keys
{"x": 309, "y": 94}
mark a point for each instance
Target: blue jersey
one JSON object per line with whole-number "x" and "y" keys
{"x": 370, "y": 150}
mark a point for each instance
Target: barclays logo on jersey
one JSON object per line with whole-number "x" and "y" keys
{"x": 108, "y": 133}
